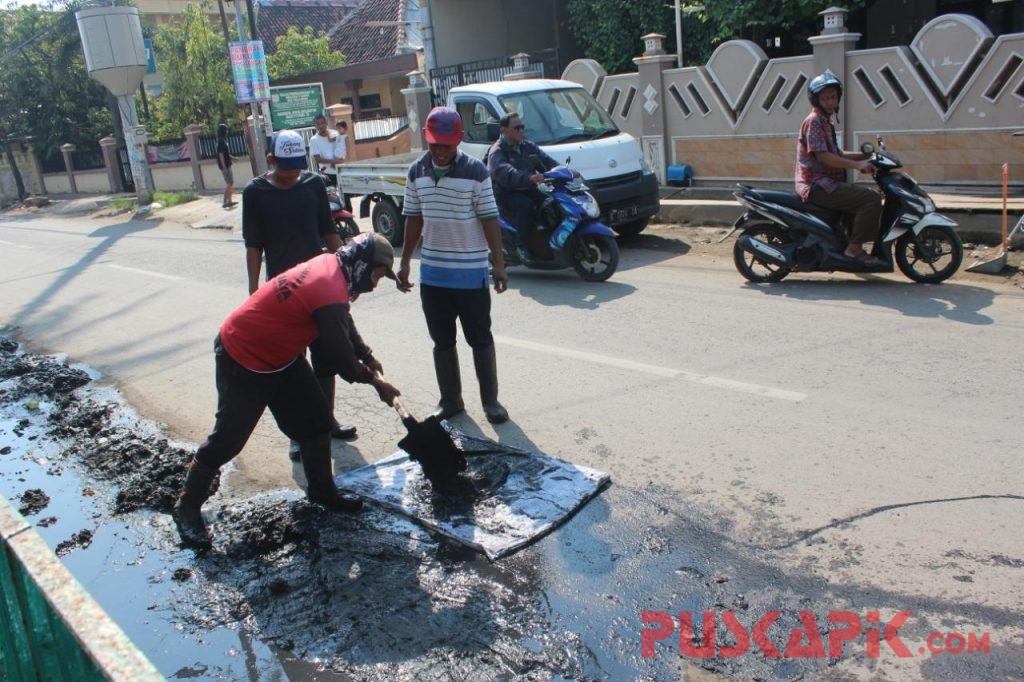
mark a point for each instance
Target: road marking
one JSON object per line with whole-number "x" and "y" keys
{"x": 20, "y": 246}
{"x": 657, "y": 370}
{"x": 150, "y": 273}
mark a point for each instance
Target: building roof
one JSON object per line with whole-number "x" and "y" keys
{"x": 274, "y": 17}
{"x": 344, "y": 22}
{"x": 361, "y": 41}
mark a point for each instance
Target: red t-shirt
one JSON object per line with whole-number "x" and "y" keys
{"x": 275, "y": 325}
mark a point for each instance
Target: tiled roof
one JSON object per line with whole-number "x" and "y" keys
{"x": 273, "y": 17}
{"x": 362, "y": 43}
{"x": 344, "y": 21}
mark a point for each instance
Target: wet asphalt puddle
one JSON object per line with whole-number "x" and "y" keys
{"x": 292, "y": 590}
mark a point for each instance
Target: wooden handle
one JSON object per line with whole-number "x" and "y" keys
{"x": 395, "y": 402}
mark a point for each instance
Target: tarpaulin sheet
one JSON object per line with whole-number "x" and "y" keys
{"x": 506, "y": 498}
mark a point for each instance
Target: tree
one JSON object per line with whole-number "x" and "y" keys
{"x": 197, "y": 75}
{"x": 45, "y": 90}
{"x": 610, "y": 30}
{"x": 302, "y": 52}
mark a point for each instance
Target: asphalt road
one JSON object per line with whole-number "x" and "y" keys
{"x": 861, "y": 430}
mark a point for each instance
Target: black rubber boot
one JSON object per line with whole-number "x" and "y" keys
{"x": 449, "y": 381}
{"x": 320, "y": 489}
{"x": 487, "y": 374}
{"x": 187, "y": 512}
{"x": 340, "y": 432}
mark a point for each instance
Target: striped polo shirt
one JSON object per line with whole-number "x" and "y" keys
{"x": 454, "y": 252}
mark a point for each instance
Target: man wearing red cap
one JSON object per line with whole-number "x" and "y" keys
{"x": 449, "y": 203}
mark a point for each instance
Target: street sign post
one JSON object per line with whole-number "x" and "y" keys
{"x": 295, "y": 106}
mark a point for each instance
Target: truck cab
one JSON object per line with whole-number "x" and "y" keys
{"x": 572, "y": 127}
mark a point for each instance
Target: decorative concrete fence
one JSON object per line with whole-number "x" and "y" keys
{"x": 947, "y": 104}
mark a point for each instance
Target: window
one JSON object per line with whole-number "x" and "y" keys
{"x": 369, "y": 101}
{"x": 476, "y": 115}
{"x": 680, "y": 100}
{"x": 615, "y": 100}
{"x": 695, "y": 94}
{"x": 794, "y": 92}
{"x": 1003, "y": 77}
{"x": 773, "y": 94}
{"x": 895, "y": 84}
{"x": 869, "y": 87}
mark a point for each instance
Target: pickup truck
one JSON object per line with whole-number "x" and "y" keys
{"x": 560, "y": 116}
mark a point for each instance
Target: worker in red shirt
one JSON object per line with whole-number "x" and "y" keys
{"x": 260, "y": 363}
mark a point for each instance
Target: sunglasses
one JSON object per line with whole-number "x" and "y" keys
{"x": 519, "y": 127}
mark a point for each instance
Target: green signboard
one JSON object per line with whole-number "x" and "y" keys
{"x": 295, "y": 106}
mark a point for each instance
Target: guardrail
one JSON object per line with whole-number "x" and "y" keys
{"x": 50, "y": 628}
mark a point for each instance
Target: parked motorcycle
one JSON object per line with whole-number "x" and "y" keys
{"x": 567, "y": 232}
{"x": 782, "y": 234}
{"x": 343, "y": 220}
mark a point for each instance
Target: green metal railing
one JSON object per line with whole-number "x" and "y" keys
{"x": 50, "y": 628}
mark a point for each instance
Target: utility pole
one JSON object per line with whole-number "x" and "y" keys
{"x": 257, "y": 128}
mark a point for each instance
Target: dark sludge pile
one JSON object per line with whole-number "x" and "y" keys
{"x": 373, "y": 597}
{"x": 147, "y": 471}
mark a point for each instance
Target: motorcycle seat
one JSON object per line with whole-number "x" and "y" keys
{"x": 791, "y": 200}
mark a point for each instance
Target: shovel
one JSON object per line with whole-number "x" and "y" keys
{"x": 996, "y": 264}
{"x": 431, "y": 445}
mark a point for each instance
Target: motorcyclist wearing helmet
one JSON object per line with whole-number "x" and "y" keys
{"x": 821, "y": 169}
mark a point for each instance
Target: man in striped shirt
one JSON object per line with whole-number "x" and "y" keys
{"x": 450, "y": 204}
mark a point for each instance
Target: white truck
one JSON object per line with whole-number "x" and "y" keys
{"x": 560, "y": 116}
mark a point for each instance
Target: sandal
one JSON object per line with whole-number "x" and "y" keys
{"x": 865, "y": 258}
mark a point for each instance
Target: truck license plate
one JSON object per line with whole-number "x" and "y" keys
{"x": 621, "y": 215}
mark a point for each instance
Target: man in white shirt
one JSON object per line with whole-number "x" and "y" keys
{"x": 324, "y": 146}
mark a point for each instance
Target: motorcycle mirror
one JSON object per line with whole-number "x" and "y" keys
{"x": 867, "y": 148}
{"x": 567, "y": 160}
{"x": 881, "y": 142}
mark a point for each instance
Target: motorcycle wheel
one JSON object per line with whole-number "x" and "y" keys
{"x": 595, "y": 257}
{"x": 931, "y": 256}
{"x": 346, "y": 228}
{"x": 753, "y": 269}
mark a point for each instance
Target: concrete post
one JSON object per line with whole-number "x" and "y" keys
{"x": 830, "y": 48}
{"x": 255, "y": 128}
{"x": 521, "y": 68}
{"x": 108, "y": 145}
{"x": 28, "y": 165}
{"x": 418, "y": 103}
{"x": 195, "y": 154}
{"x": 653, "y": 137}
{"x": 69, "y": 166}
{"x": 340, "y": 112}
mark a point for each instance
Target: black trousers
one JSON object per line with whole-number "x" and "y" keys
{"x": 292, "y": 394}
{"x": 471, "y": 307}
{"x": 520, "y": 209}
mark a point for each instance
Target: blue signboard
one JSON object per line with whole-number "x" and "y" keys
{"x": 150, "y": 56}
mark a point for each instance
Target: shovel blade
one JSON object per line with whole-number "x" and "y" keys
{"x": 992, "y": 266}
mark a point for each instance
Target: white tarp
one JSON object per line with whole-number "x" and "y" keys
{"x": 505, "y": 499}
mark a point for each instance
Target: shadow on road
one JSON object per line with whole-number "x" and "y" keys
{"x": 108, "y": 236}
{"x": 957, "y": 302}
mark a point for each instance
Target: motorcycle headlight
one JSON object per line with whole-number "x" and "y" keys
{"x": 588, "y": 204}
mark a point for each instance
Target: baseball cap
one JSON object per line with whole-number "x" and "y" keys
{"x": 443, "y": 126}
{"x": 288, "y": 150}
{"x": 384, "y": 254}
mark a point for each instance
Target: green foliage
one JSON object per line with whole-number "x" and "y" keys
{"x": 45, "y": 90}
{"x": 609, "y": 30}
{"x": 300, "y": 52}
{"x": 169, "y": 199}
{"x": 197, "y": 76}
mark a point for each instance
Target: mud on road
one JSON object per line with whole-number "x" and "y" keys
{"x": 289, "y": 587}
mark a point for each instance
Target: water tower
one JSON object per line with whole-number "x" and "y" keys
{"x": 115, "y": 55}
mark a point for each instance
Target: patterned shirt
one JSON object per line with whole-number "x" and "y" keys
{"x": 454, "y": 252}
{"x": 816, "y": 135}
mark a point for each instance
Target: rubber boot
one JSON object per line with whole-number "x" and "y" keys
{"x": 449, "y": 381}
{"x": 487, "y": 374}
{"x": 338, "y": 431}
{"x": 320, "y": 489}
{"x": 187, "y": 512}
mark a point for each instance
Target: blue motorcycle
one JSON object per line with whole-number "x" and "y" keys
{"x": 567, "y": 232}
